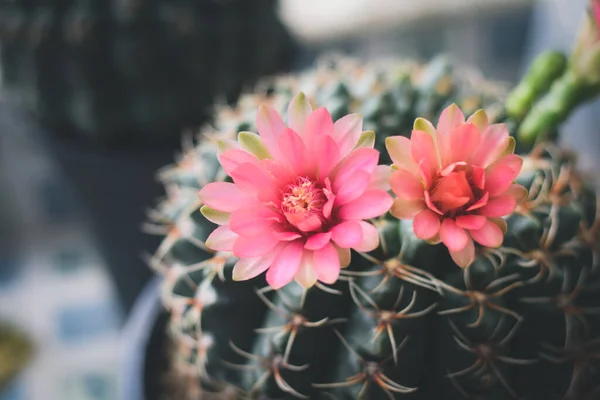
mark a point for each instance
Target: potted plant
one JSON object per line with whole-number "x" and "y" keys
{"x": 392, "y": 231}
{"x": 113, "y": 84}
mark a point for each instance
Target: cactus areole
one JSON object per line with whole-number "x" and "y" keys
{"x": 368, "y": 232}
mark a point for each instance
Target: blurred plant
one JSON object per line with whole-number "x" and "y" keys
{"x": 15, "y": 353}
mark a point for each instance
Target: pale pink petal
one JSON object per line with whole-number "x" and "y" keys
{"x": 451, "y": 118}
{"x": 285, "y": 265}
{"x": 500, "y": 175}
{"x": 298, "y": 111}
{"x": 231, "y": 159}
{"x": 225, "y": 196}
{"x": 293, "y": 150}
{"x": 270, "y": 126}
{"x": 480, "y": 203}
{"x": 221, "y": 239}
{"x": 371, "y": 204}
{"x": 499, "y": 206}
{"x": 254, "y": 246}
{"x": 287, "y": 236}
{"x": 470, "y": 221}
{"x": 328, "y": 207}
{"x": 423, "y": 150}
{"x": 406, "y": 186}
{"x": 478, "y": 176}
{"x": 352, "y": 188}
{"x": 398, "y": 148}
{"x": 430, "y": 204}
{"x": 489, "y": 235}
{"x": 492, "y": 145}
{"x": 347, "y": 234}
{"x": 380, "y": 179}
{"x": 454, "y": 237}
{"x": 306, "y": 275}
{"x": 250, "y": 221}
{"x": 463, "y": 141}
{"x": 517, "y": 191}
{"x": 466, "y": 256}
{"x": 406, "y": 209}
{"x": 327, "y": 264}
{"x": 248, "y": 268}
{"x": 426, "y": 224}
{"x": 363, "y": 159}
{"x": 370, "y": 238}
{"x": 253, "y": 179}
{"x": 317, "y": 241}
{"x": 311, "y": 223}
{"x": 327, "y": 155}
{"x": 318, "y": 123}
{"x": 347, "y": 131}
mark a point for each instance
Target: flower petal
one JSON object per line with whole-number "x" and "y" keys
{"x": 489, "y": 235}
{"x": 480, "y": 119}
{"x": 493, "y": 143}
{"x": 466, "y": 256}
{"x": 252, "y": 179}
{"x": 370, "y": 238}
{"x": 517, "y": 191}
{"x": 327, "y": 264}
{"x": 352, "y": 188}
{"x": 328, "y": 155}
{"x": 317, "y": 241}
{"x": 285, "y": 265}
{"x": 499, "y": 206}
{"x": 298, "y": 111}
{"x": 254, "y": 246}
{"x": 380, "y": 178}
{"x": 406, "y": 209}
{"x": 215, "y": 216}
{"x": 345, "y": 256}
{"x": 451, "y": 118}
{"x": 454, "y": 237}
{"x": 248, "y": 268}
{"x": 406, "y": 186}
{"x": 318, "y": 123}
{"x": 231, "y": 159}
{"x": 371, "y": 204}
{"x": 252, "y": 221}
{"x": 306, "y": 275}
{"x": 423, "y": 150}
{"x": 398, "y": 148}
{"x": 470, "y": 221}
{"x": 293, "y": 150}
{"x": 224, "y": 196}
{"x": 363, "y": 159}
{"x": 270, "y": 126}
{"x": 347, "y": 131}
{"x": 463, "y": 140}
{"x": 426, "y": 224}
{"x": 347, "y": 234}
{"x": 500, "y": 175}
{"x": 221, "y": 239}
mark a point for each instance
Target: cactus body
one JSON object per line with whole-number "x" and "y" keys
{"x": 404, "y": 322}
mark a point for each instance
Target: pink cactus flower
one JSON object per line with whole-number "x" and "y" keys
{"x": 456, "y": 181}
{"x": 300, "y": 196}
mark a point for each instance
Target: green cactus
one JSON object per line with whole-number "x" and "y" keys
{"x": 403, "y": 321}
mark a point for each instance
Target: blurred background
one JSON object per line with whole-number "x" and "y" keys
{"x": 94, "y": 97}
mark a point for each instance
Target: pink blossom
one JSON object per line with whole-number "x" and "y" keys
{"x": 456, "y": 181}
{"x": 300, "y": 196}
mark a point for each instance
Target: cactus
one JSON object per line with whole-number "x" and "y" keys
{"x": 125, "y": 72}
{"x": 403, "y": 320}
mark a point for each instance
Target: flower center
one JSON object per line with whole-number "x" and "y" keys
{"x": 302, "y": 204}
{"x": 456, "y": 189}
